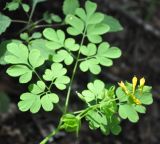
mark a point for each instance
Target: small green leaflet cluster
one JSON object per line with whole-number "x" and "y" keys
{"x": 127, "y": 108}
{"x": 102, "y": 113}
{"x": 57, "y": 76}
{"x": 87, "y": 20}
{"x": 25, "y": 63}
{"x": 106, "y": 107}
{"x": 5, "y": 22}
{"x": 51, "y": 17}
{"x": 36, "y": 98}
{"x": 69, "y": 6}
{"x": 95, "y": 57}
{"x": 63, "y": 47}
{"x": 71, "y": 123}
{"x": 15, "y": 4}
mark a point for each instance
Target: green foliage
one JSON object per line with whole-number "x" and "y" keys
{"x": 50, "y": 59}
{"x": 26, "y": 7}
{"x": 113, "y": 23}
{"x": 3, "y": 50}
{"x": 24, "y": 61}
{"x": 15, "y": 4}
{"x": 51, "y": 17}
{"x": 57, "y": 76}
{"x": 71, "y": 123}
{"x": 40, "y": 45}
{"x": 5, "y": 22}
{"x": 102, "y": 108}
{"x": 128, "y": 108}
{"x": 69, "y": 6}
{"x": 102, "y": 55}
{"x": 87, "y": 20}
{"x": 56, "y": 41}
{"x": 36, "y": 98}
{"x": 56, "y": 38}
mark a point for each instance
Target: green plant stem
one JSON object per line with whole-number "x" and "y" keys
{"x": 82, "y": 113}
{"x": 32, "y": 12}
{"x": 49, "y": 25}
{"x": 83, "y": 59}
{"x": 19, "y": 21}
{"x": 51, "y": 135}
{"x": 73, "y": 74}
{"x": 48, "y": 88}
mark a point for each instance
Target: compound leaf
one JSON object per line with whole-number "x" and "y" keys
{"x": 56, "y": 38}
{"x": 95, "y": 91}
{"x": 18, "y": 54}
{"x": 3, "y": 50}
{"x": 69, "y": 6}
{"x": 35, "y": 58}
{"x": 25, "y": 7}
{"x": 12, "y": 6}
{"x": 90, "y": 50}
{"x": 61, "y": 82}
{"x": 71, "y": 45}
{"x": 30, "y": 102}
{"x": 90, "y": 8}
{"x": 128, "y": 111}
{"x": 20, "y": 70}
{"x": 113, "y": 23}
{"x": 57, "y": 75}
{"x": 63, "y": 55}
{"x": 37, "y": 88}
{"x": 105, "y": 54}
{"x": 94, "y": 32}
{"x": 5, "y": 22}
{"x": 48, "y": 101}
{"x": 77, "y": 25}
{"x": 40, "y": 44}
{"x": 91, "y": 65}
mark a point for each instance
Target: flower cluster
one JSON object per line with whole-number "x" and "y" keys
{"x": 131, "y": 94}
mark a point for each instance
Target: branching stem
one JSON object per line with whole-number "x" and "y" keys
{"x": 73, "y": 74}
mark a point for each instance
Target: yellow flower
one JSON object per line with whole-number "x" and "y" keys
{"x": 131, "y": 93}
{"x": 142, "y": 82}
{"x": 135, "y": 100}
{"x": 122, "y": 85}
{"x": 134, "y": 83}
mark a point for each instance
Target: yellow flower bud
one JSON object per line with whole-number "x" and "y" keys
{"x": 134, "y": 83}
{"x": 135, "y": 100}
{"x": 122, "y": 85}
{"x": 142, "y": 82}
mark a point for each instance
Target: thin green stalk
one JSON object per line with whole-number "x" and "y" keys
{"x": 32, "y": 12}
{"x": 73, "y": 74}
{"x": 82, "y": 113}
{"x": 51, "y": 135}
{"x": 49, "y": 25}
{"x": 19, "y": 21}
{"x": 48, "y": 88}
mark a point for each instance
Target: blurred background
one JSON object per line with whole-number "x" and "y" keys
{"x": 140, "y": 44}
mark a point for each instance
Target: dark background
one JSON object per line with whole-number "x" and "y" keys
{"x": 140, "y": 44}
